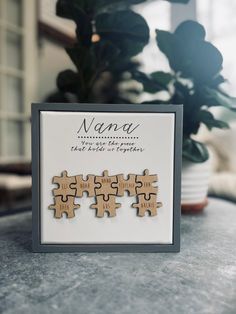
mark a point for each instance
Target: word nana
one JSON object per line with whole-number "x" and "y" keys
{"x": 102, "y": 127}
{"x": 105, "y": 189}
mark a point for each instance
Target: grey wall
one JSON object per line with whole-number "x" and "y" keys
{"x": 52, "y": 60}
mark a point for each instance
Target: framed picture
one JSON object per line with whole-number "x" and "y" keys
{"x": 106, "y": 177}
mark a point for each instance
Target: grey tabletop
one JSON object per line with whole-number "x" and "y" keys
{"x": 199, "y": 279}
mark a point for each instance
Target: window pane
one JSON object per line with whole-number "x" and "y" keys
{"x": 14, "y": 12}
{"x": 14, "y": 95}
{"x": 13, "y": 50}
{"x": 14, "y": 140}
{"x": 218, "y": 17}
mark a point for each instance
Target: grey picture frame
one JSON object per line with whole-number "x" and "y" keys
{"x": 37, "y": 246}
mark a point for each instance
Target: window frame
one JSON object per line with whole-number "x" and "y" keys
{"x": 27, "y": 74}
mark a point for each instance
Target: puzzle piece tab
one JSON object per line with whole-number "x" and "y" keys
{"x": 64, "y": 182}
{"x": 146, "y": 180}
{"x": 149, "y": 205}
{"x": 68, "y": 207}
{"x": 87, "y": 185}
{"x": 129, "y": 185}
{"x": 103, "y": 206}
{"x": 106, "y": 188}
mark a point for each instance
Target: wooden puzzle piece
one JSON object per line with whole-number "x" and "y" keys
{"x": 87, "y": 185}
{"x": 149, "y": 205}
{"x": 68, "y": 207}
{"x": 64, "y": 186}
{"x": 103, "y": 206}
{"x": 146, "y": 180}
{"x": 106, "y": 188}
{"x": 128, "y": 184}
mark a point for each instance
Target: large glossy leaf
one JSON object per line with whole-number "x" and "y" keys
{"x": 119, "y": 66}
{"x": 208, "y": 119}
{"x": 194, "y": 151}
{"x": 106, "y": 53}
{"x": 156, "y": 82}
{"x": 172, "y": 47}
{"x": 162, "y": 78}
{"x": 126, "y": 29}
{"x": 206, "y": 61}
{"x": 64, "y": 8}
{"x": 67, "y": 81}
{"x": 148, "y": 85}
{"x": 75, "y": 10}
{"x": 167, "y": 43}
{"x": 189, "y": 54}
{"x": 190, "y": 30}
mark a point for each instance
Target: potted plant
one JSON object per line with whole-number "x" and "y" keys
{"x": 109, "y": 34}
{"x": 194, "y": 81}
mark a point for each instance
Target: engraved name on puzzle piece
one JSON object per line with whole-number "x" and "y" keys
{"x": 64, "y": 182}
{"x": 68, "y": 207}
{"x": 149, "y": 205}
{"x": 106, "y": 188}
{"x": 87, "y": 185}
{"x": 103, "y": 206}
{"x": 146, "y": 180}
{"x": 128, "y": 184}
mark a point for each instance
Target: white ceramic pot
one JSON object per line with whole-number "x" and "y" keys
{"x": 195, "y": 181}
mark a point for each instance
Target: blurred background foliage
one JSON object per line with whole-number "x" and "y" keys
{"x": 109, "y": 37}
{"x": 109, "y": 34}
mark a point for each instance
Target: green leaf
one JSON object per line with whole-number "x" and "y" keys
{"x": 194, "y": 151}
{"x": 120, "y": 65}
{"x": 216, "y": 81}
{"x": 167, "y": 43}
{"x": 208, "y": 119}
{"x": 74, "y": 10}
{"x": 203, "y": 60}
{"x": 105, "y": 52}
{"x": 80, "y": 56}
{"x": 217, "y": 98}
{"x": 206, "y": 61}
{"x": 93, "y": 7}
{"x": 156, "y": 82}
{"x": 189, "y": 54}
{"x": 84, "y": 5}
{"x": 190, "y": 30}
{"x": 162, "y": 78}
{"x": 64, "y": 8}
{"x": 67, "y": 81}
{"x": 125, "y": 29}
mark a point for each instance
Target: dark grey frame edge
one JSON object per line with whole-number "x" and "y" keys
{"x": 35, "y": 140}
